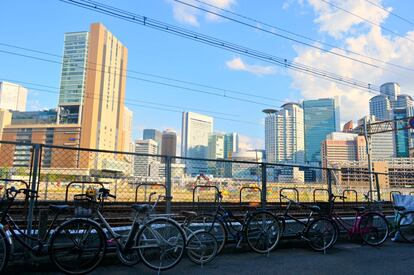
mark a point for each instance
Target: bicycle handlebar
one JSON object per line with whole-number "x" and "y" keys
{"x": 339, "y": 197}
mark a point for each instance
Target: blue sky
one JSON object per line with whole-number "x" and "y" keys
{"x": 41, "y": 25}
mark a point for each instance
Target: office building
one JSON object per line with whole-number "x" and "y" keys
{"x": 348, "y": 127}
{"x": 90, "y": 111}
{"x": 321, "y": 117}
{"x": 153, "y": 134}
{"x": 169, "y": 143}
{"x": 380, "y": 107}
{"x": 146, "y": 166}
{"x": 216, "y": 146}
{"x": 284, "y": 134}
{"x": 392, "y": 90}
{"x": 401, "y": 137}
{"x": 128, "y": 122}
{"x": 12, "y": 96}
{"x": 196, "y": 130}
{"x": 231, "y": 144}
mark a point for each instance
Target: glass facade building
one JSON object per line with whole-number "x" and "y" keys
{"x": 321, "y": 117}
{"x": 401, "y": 136}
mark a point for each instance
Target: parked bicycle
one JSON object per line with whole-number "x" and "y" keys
{"x": 404, "y": 224}
{"x": 30, "y": 241}
{"x": 259, "y": 228}
{"x": 319, "y": 232}
{"x": 79, "y": 245}
{"x": 370, "y": 226}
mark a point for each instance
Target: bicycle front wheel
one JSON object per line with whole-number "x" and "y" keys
{"x": 161, "y": 243}
{"x": 202, "y": 247}
{"x": 213, "y": 225}
{"x": 321, "y": 234}
{"x": 373, "y": 228}
{"x": 77, "y": 246}
{"x": 4, "y": 251}
{"x": 262, "y": 232}
{"x": 406, "y": 227}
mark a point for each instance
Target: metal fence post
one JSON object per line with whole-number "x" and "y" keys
{"x": 329, "y": 178}
{"x": 377, "y": 186}
{"x": 32, "y": 197}
{"x": 168, "y": 197}
{"x": 263, "y": 196}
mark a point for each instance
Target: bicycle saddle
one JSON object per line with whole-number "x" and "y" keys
{"x": 359, "y": 208}
{"x": 188, "y": 214}
{"x": 399, "y": 208}
{"x": 141, "y": 208}
{"x": 58, "y": 208}
{"x": 314, "y": 208}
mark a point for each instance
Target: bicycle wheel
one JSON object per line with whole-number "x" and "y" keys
{"x": 202, "y": 247}
{"x": 4, "y": 251}
{"x": 77, "y": 246}
{"x": 406, "y": 228}
{"x": 161, "y": 243}
{"x": 321, "y": 234}
{"x": 373, "y": 228}
{"x": 262, "y": 232}
{"x": 210, "y": 224}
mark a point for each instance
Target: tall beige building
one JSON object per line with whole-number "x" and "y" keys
{"x": 12, "y": 96}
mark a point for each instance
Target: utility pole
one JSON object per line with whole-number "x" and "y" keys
{"x": 368, "y": 150}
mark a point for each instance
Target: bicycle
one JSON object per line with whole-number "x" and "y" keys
{"x": 36, "y": 246}
{"x": 404, "y": 224}
{"x": 260, "y": 228}
{"x": 371, "y": 226}
{"x": 158, "y": 241}
{"x": 319, "y": 232}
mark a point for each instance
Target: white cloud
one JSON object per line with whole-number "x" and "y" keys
{"x": 250, "y": 143}
{"x": 238, "y": 64}
{"x": 370, "y": 42}
{"x": 189, "y": 15}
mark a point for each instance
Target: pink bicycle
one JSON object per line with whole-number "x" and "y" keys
{"x": 371, "y": 226}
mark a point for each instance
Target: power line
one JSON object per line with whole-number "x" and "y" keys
{"x": 223, "y": 90}
{"x": 157, "y": 106}
{"x": 391, "y": 12}
{"x": 295, "y": 66}
{"x": 367, "y": 20}
{"x": 256, "y": 27}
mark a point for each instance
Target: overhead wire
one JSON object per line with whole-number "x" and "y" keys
{"x": 391, "y": 12}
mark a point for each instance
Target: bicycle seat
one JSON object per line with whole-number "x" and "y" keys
{"x": 399, "y": 208}
{"x": 59, "y": 208}
{"x": 359, "y": 208}
{"x": 141, "y": 208}
{"x": 188, "y": 214}
{"x": 314, "y": 208}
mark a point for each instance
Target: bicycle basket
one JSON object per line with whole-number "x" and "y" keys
{"x": 84, "y": 205}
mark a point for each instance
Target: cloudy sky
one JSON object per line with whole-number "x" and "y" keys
{"x": 235, "y": 88}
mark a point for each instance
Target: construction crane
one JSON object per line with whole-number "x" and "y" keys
{"x": 369, "y": 129}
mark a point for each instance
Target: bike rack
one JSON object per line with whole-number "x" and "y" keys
{"x": 101, "y": 184}
{"x": 350, "y": 191}
{"x": 26, "y": 200}
{"x": 319, "y": 190}
{"x": 372, "y": 192}
{"x": 394, "y": 192}
{"x": 255, "y": 188}
{"x": 207, "y": 187}
{"x": 289, "y": 189}
{"x": 149, "y": 184}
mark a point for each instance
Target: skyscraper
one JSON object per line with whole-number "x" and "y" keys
{"x": 216, "y": 146}
{"x": 196, "y": 130}
{"x": 380, "y": 107}
{"x": 401, "y": 137}
{"x": 169, "y": 143}
{"x": 231, "y": 144}
{"x": 73, "y": 77}
{"x": 284, "y": 134}
{"x": 321, "y": 117}
{"x": 12, "y": 96}
{"x": 153, "y": 134}
{"x": 392, "y": 90}
{"x": 146, "y": 166}
{"x": 128, "y": 121}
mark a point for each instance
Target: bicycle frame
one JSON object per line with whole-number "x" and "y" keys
{"x": 286, "y": 216}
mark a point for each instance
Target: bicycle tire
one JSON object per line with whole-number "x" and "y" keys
{"x": 406, "y": 230}
{"x": 373, "y": 234}
{"x": 5, "y": 248}
{"x": 262, "y": 232}
{"x": 171, "y": 236}
{"x": 213, "y": 225}
{"x": 321, "y": 234}
{"x": 72, "y": 237}
{"x": 202, "y": 247}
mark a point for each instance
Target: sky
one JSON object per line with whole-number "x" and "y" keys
{"x": 40, "y": 25}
